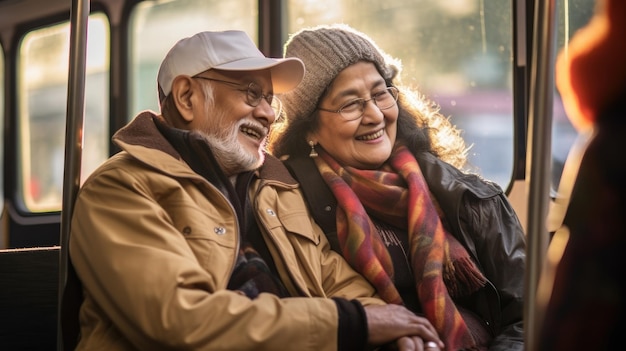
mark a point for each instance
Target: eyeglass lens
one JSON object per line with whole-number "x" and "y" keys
{"x": 383, "y": 100}
{"x": 255, "y": 94}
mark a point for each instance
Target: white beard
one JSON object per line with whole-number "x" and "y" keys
{"x": 229, "y": 153}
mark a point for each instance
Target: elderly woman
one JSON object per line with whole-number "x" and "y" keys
{"x": 379, "y": 167}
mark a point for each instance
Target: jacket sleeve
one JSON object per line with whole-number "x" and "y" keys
{"x": 340, "y": 280}
{"x": 500, "y": 245}
{"x": 140, "y": 272}
{"x": 301, "y": 251}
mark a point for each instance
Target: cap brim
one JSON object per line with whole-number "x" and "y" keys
{"x": 286, "y": 73}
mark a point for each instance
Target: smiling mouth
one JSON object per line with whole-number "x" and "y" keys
{"x": 252, "y": 133}
{"x": 372, "y": 136}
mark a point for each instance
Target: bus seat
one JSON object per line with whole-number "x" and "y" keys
{"x": 29, "y": 298}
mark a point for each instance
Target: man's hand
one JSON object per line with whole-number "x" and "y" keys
{"x": 392, "y": 322}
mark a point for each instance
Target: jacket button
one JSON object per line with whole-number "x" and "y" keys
{"x": 327, "y": 208}
{"x": 219, "y": 230}
{"x": 187, "y": 230}
{"x": 270, "y": 212}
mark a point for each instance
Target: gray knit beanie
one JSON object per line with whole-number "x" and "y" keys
{"x": 326, "y": 51}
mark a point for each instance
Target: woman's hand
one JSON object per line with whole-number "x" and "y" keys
{"x": 389, "y": 323}
{"x": 415, "y": 343}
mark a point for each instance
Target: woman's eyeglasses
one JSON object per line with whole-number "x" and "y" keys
{"x": 354, "y": 109}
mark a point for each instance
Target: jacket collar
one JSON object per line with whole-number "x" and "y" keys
{"x": 142, "y": 139}
{"x": 448, "y": 184}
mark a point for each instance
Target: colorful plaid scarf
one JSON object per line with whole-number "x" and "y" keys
{"x": 398, "y": 194}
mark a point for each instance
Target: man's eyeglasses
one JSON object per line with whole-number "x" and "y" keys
{"x": 354, "y": 109}
{"x": 254, "y": 94}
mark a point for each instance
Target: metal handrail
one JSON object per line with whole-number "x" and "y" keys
{"x": 539, "y": 160}
{"x": 73, "y": 139}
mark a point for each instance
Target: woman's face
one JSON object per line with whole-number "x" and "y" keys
{"x": 367, "y": 141}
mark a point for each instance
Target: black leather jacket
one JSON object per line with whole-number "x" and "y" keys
{"x": 480, "y": 217}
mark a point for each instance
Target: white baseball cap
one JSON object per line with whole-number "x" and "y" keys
{"x": 229, "y": 50}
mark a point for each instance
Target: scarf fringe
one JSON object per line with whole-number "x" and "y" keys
{"x": 462, "y": 277}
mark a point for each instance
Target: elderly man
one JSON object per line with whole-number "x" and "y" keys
{"x": 193, "y": 238}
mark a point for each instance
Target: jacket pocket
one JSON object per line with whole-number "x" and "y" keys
{"x": 194, "y": 224}
{"x": 296, "y": 223}
{"x": 211, "y": 238}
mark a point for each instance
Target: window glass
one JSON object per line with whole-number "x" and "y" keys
{"x": 42, "y": 90}
{"x": 572, "y": 15}
{"x": 157, "y": 25}
{"x": 457, "y": 52}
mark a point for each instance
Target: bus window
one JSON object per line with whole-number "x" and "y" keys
{"x": 156, "y": 25}
{"x": 573, "y": 14}
{"x": 458, "y": 53}
{"x": 42, "y": 90}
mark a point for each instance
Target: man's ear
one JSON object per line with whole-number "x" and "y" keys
{"x": 182, "y": 90}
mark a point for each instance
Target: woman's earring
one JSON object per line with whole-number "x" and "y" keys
{"x": 313, "y": 153}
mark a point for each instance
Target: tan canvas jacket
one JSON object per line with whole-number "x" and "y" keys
{"x": 154, "y": 245}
